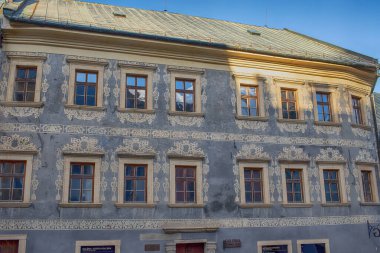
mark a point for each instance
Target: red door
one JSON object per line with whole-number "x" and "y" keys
{"x": 9, "y": 246}
{"x": 190, "y": 248}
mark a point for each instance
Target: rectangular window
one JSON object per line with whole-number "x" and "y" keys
{"x": 135, "y": 183}
{"x": 356, "y": 110}
{"x": 367, "y": 185}
{"x": 289, "y": 104}
{"x": 294, "y": 185}
{"x": 185, "y": 179}
{"x": 9, "y": 246}
{"x": 275, "y": 249}
{"x": 324, "y": 106}
{"x": 253, "y": 181}
{"x": 313, "y": 248}
{"x": 12, "y": 177}
{"x": 81, "y": 182}
{"x": 25, "y": 84}
{"x": 331, "y": 182}
{"x": 85, "y": 88}
{"x": 136, "y": 92}
{"x": 184, "y": 95}
{"x": 249, "y": 100}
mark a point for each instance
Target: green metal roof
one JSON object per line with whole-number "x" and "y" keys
{"x": 181, "y": 28}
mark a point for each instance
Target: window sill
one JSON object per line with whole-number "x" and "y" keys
{"x": 22, "y": 104}
{"x": 85, "y": 107}
{"x": 134, "y": 205}
{"x": 15, "y": 204}
{"x": 365, "y": 127}
{"x": 190, "y": 205}
{"x": 297, "y": 205}
{"x": 292, "y": 121}
{"x": 80, "y": 205}
{"x": 325, "y": 123}
{"x": 186, "y": 114}
{"x": 251, "y": 118}
{"x": 257, "y": 205}
{"x": 369, "y": 203}
{"x": 133, "y": 110}
{"x": 335, "y": 204}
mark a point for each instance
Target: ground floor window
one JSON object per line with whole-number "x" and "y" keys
{"x": 9, "y": 246}
{"x": 190, "y": 248}
{"x": 12, "y": 243}
{"x": 313, "y": 246}
{"x": 274, "y": 246}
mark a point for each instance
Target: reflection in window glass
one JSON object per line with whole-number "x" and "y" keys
{"x": 184, "y": 95}
{"x": 289, "y": 104}
{"x": 85, "y": 88}
{"x": 185, "y": 184}
{"x": 12, "y": 176}
{"x": 25, "y": 84}
{"x": 313, "y": 248}
{"x": 331, "y": 181}
{"x": 136, "y": 92}
{"x": 324, "y": 106}
{"x": 81, "y": 182}
{"x": 249, "y": 100}
{"x": 253, "y": 183}
{"x": 135, "y": 183}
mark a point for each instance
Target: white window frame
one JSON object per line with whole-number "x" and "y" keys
{"x": 313, "y": 241}
{"x": 292, "y": 85}
{"x": 126, "y": 69}
{"x": 342, "y": 185}
{"x": 116, "y": 243}
{"x": 305, "y": 184}
{"x": 260, "y": 245}
{"x": 334, "y": 95}
{"x": 375, "y": 192}
{"x": 97, "y": 66}
{"x": 254, "y": 81}
{"x": 32, "y": 61}
{"x": 265, "y": 178}
{"x": 178, "y": 73}
{"x": 66, "y": 182}
{"x": 198, "y": 181}
{"x": 28, "y": 158}
{"x": 20, "y": 238}
{"x": 149, "y": 181}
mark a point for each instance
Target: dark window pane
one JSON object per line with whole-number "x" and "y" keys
{"x": 91, "y": 100}
{"x": 31, "y": 86}
{"x": 18, "y": 183}
{"x": 75, "y": 169}
{"x": 29, "y": 96}
{"x": 91, "y": 90}
{"x": 20, "y": 73}
{"x": 20, "y": 86}
{"x": 140, "y": 185}
{"x": 87, "y": 184}
{"x": 79, "y": 90}
{"x": 5, "y": 194}
{"x": 140, "y": 196}
{"x": 17, "y": 194}
{"x": 74, "y": 195}
{"x": 128, "y": 196}
{"x": 19, "y": 168}
{"x": 32, "y": 73}
{"x": 19, "y": 96}
{"x": 190, "y": 197}
{"x": 79, "y": 100}
{"x": 88, "y": 169}
{"x": 129, "y": 185}
{"x": 87, "y": 196}
{"x": 75, "y": 184}
{"x": 313, "y": 248}
{"x": 140, "y": 171}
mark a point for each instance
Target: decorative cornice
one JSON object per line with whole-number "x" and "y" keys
{"x": 138, "y": 65}
{"x": 192, "y": 70}
{"x": 156, "y": 224}
{"x": 86, "y": 60}
{"x": 27, "y": 56}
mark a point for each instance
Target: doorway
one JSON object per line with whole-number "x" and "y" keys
{"x": 190, "y": 248}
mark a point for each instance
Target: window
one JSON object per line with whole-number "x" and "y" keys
{"x": 313, "y": 246}
{"x": 274, "y": 247}
{"x": 324, "y": 106}
{"x": 136, "y": 92}
{"x": 333, "y": 184}
{"x": 85, "y": 84}
{"x": 253, "y": 181}
{"x": 186, "y": 183}
{"x": 185, "y": 91}
{"x": 12, "y": 177}
{"x": 368, "y": 185}
{"x": 294, "y": 187}
{"x": 109, "y": 246}
{"x": 15, "y": 180}
{"x": 25, "y": 80}
{"x": 135, "y": 183}
{"x": 254, "y": 184}
{"x": 136, "y": 89}
{"x": 356, "y": 110}
{"x": 289, "y": 104}
{"x": 295, "y": 184}
{"x": 81, "y": 182}
{"x": 249, "y": 100}
{"x": 25, "y": 84}
{"x": 12, "y": 243}
{"x": 85, "y": 87}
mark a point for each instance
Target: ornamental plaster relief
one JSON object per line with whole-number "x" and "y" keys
{"x": 65, "y": 84}
{"x": 365, "y": 156}
{"x": 4, "y": 80}
{"x": 315, "y": 187}
{"x": 108, "y": 74}
{"x": 292, "y": 128}
{"x": 361, "y": 132}
{"x": 327, "y": 129}
{"x": 136, "y": 117}
{"x": 252, "y": 125}
{"x": 84, "y": 114}
{"x": 293, "y": 153}
{"x": 186, "y": 148}
{"x": 46, "y": 68}
{"x": 16, "y": 143}
{"x": 21, "y": 111}
{"x": 157, "y": 224}
{"x": 330, "y": 155}
{"x": 232, "y": 84}
{"x": 185, "y": 121}
{"x": 191, "y": 135}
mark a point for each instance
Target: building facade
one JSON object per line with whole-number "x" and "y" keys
{"x": 124, "y": 130}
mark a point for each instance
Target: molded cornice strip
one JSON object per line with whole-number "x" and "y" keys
{"x": 143, "y": 224}
{"x": 176, "y": 135}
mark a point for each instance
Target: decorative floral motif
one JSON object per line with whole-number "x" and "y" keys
{"x": 315, "y": 187}
{"x": 116, "y": 90}
{"x": 253, "y": 125}
{"x": 21, "y": 111}
{"x": 203, "y": 89}
{"x": 114, "y": 167}
{"x": 365, "y": 156}
{"x": 291, "y": 127}
{"x": 83, "y": 145}
{"x": 185, "y": 121}
{"x": 84, "y": 114}
{"x": 330, "y": 155}
{"x": 65, "y": 84}
{"x": 361, "y": 132}
{"x": 135, "y": 146}
{"x": 135, "y": 117}
{"x": 186, "y": 148}
{"x": 232, "y": 84}
{"x": 327, "y": 129}
{"x": 45, "y": 85}
{"x": 4, "y": 81}
{"x": 293, "y": 154}
{"x": 16, "y": 142}
{"x": 108, "y": 73}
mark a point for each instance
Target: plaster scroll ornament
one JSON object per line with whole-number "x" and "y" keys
{"x": 204, "y": 95}
{"x": 84, "y": 114}
{"x": 16, "y": 142}
{"x": 4, "y": 80}
{"x": 46, "y": 68}
{"x": 361, "y": 132}
{"x": 330, "y": 155}
{"x": 135, "y": 117}
{"x": 232, "y": 84}
{"x": 292, "y": 128}
{"x": 108, "y": 73}
{"x": 293, "y": 153}
{"x": 252, "y": 151}
{"x": 365, "y": 156}
{"x": 186, "y": 148}
{"x": 116, "y": 90}
{"x": 253, "y": 125}
{"x": 21, "y": 111}
{"x": 135, "y": 146}
{"x": 205, "y": 172}
{"x": 83, "y": 145}
{"x": 185, "y": 121}
{"x": 114, "y": 167}
{"x": 156, "y": 186}
{"x": 327, "y": 129}
{"x": 65, "y": 84}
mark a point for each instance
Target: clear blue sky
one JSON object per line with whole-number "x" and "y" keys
{"x": 352, "y": 24}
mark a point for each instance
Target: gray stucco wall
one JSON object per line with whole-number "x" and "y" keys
{"x": 218, "y": 135}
